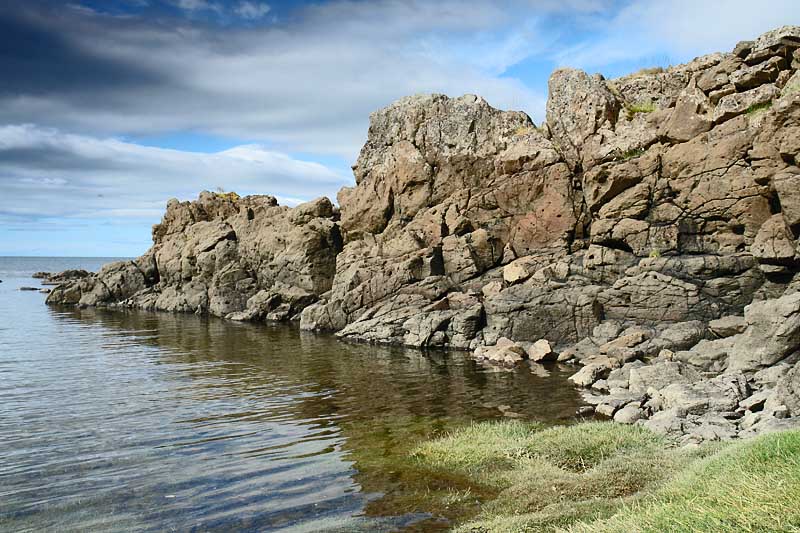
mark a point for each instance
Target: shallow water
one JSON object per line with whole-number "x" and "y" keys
{"x": 134, "y": 421}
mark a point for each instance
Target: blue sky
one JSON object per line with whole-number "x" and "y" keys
{"x": 110, "y": 108}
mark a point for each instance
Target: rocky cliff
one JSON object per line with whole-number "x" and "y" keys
{"x": 240, "y": 258}
{"x": 646, "y": 231}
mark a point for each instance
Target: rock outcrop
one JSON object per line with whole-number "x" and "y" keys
{"x": 648, "y": 231}
{"x": 240, "y": 258}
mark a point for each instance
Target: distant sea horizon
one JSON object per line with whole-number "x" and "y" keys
{"x": 16, "y": 256}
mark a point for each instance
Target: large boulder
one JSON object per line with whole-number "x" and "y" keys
{"x": 788, "y": 390}
{"x": 772, "y": 334}
{"x": 660, "y": 375}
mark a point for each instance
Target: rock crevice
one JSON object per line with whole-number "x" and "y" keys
{"x": 652, "y": 220}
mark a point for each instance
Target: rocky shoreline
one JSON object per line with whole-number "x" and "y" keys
{"x": 646, "y": 232}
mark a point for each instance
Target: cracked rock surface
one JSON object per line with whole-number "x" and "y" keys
{"x": 647, "y": 231}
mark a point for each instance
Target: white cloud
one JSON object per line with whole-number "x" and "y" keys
{"x": 76, "y": 176}
{"x": 676, "y": 30}
{"x": 252, "y": 10}
{"x": 308, "y": 84}
{"x": 198, "y": 5}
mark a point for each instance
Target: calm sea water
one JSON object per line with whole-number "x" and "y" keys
{"x": 134, "y": 421}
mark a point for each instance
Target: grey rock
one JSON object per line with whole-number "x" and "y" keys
{"x": 709, "y": 355}
{"x": 755, "y": 402}
{"x": 214, "y": 254}
{"x": 749, "y": 77}
{"x": 773, "y": 333}
{"x": 788, "y": 390}
{"x": 736, "y": 104}
{"x": 611, "y": 403}
{"x": 578, "y": 106}
{"x": 691, "y": 116}
{"x": 720, "y": 394}
{"x": 769, "y": 376}
{"x": 770, "y": 425}
{"x": 787, "y": 185}
{"x": 620, "y": 377}
{"x": 774, "y": 242}
{"x": 589, "y": 374}
{"x": 727, "y": 326}
{"x": 504, "y": 352}
{"x": 629, "y": 414}
{"x": 670, "y": 423}
{"x": 660, "y": 375}
{"x": 541, "y": 351}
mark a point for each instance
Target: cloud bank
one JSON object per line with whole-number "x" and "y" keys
{"x": 278, "y": 78}
{"x": 76, "y": 176}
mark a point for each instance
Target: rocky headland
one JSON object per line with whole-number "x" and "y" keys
{"x": 647, "y": 233}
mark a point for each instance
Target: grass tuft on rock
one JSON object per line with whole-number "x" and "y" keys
{"x": 601, "y": 476}
{"x": 630, "y": 154}
{"x": 631, "y": 110}
{"x": 757, "y": 108}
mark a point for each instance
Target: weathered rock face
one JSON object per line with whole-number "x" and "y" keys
{"x": 622, "y": 230}
{"x": 243, "y": 258}
{"x": 633, "y": 202}
{"x": 448, "y": 191}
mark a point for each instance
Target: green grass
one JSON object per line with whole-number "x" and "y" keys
{"x": 602, "y": 476}
{"x": 750, "y": 486}
{"x": 584, "y": 446}
{"x": 756, "y": 108}
{"x": 631, "y": 110}
{"x": 479, "y": 448}
{"x": 630, "y": 154}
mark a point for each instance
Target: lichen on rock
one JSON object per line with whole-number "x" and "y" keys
{"x": 661, "y": 206}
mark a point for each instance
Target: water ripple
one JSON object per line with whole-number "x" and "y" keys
{"x": 124, "y": 421}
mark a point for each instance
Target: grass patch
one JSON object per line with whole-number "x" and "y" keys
{"x": 232, "y": 196}
{"x": 750, "y": 486}
{"x": 583, "y": 446}
{"x": 479, "y": 448}
{"x": 630, "y": 154}
{"x": 601, "y": 476}
{"x": 757, "y": 108}
{"x": 631, "y": 110}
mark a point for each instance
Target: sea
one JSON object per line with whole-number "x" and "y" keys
{"x": 147, "y": 421}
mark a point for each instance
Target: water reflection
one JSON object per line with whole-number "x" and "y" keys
{"x": 152, "y": 421}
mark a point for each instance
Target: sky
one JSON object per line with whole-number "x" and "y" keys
{"x": 110, "y": 108}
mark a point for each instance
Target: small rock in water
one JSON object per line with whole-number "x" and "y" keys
{"x": 586, "y": 410}
{"x": 541, "y": 351}
{"x": 28, "y": 289}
